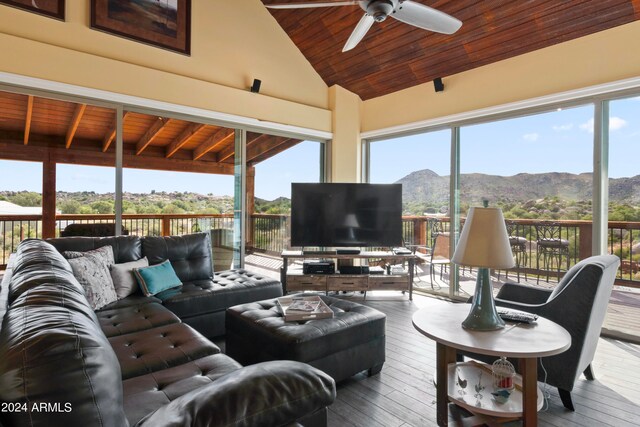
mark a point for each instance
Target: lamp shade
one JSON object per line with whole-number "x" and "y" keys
{"x": 484, "y": 241}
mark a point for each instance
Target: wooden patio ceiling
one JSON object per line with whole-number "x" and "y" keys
{"x": 41, "y": 129}
{"x": 395, "y": 56}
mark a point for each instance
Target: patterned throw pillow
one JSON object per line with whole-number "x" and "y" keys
{"x": 91, "y": 269}
{"x": 157, "y": 278}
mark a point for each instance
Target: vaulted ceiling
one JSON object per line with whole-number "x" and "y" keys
{"x": 395, "y": 56}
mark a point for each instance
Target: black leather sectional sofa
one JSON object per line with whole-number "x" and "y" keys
{"x": 135, "y": 362}
{"x": 204, "y": 296}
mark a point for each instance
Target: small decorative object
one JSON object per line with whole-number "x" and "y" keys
{"x": 460, "y": 383}
{"x": 164, "y": 23}
{"x": 52, "y": 8}
{"x": 503, "y": 373}
{"x": 484, "y": 244}
{"x": 501, "y": 396}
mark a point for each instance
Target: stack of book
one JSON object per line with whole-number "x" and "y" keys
{"x": 301, "y": 308}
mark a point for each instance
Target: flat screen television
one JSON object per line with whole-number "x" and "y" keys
{"x": 346, "y": 215}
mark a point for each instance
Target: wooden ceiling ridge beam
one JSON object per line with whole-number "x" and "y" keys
{"x": 220, "y": 137}
{"x": 151, "y": 133}
{"x": 75, "y": 122}
{"x": 189, "y": 132}
{"x": 27, "y": 120}
{"x": 111, "y": 133}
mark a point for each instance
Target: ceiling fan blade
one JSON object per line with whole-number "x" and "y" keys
{"x": 310, "y": 5}
{"x": 427, "y": 18}
{"x": 359, "y": 32}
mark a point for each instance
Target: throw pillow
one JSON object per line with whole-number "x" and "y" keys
{"x": 105, "y": 251}
{"x": 123, "y": 277}
{"x": 92, "y": 271}
{"x": 157, "y": 278}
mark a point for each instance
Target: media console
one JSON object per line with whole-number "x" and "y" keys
{"x": 297, "y": 281}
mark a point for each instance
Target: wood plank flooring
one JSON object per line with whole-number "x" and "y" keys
{"x": 403, "y": 393}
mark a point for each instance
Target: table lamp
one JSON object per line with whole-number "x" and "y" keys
{"x": 484, "y": 243}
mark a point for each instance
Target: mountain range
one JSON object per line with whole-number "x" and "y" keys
{"x": 427, "y": 187}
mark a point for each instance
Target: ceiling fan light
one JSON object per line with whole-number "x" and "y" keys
{"x": 380, "y": 9}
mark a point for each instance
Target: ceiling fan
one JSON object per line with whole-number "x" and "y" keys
{"x": 407, "y": 11}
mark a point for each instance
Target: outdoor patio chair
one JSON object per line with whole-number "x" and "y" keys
{"x": 439, "y": 256}
{"x": 551, "y": 247}
{"x": 579, "y": 304}
{"x": 518, "y": 247}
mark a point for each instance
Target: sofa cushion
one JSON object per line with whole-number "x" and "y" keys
{"x": 53, "y": 350}
{"x": 159, "y": 348}
{"x": 156, "y": 278}
{"x": 228, "y": 288}
{"x": 190, "y": 255}
{"x": 125, "y": 248}
{"x": 35, "y": 263}
{"x": 146, "y": 393}
{"x": 266, "y": 394}
{"x": 129, "y": 319}
{"x": 123, "y": 278}
{"x": 92, "y": 271}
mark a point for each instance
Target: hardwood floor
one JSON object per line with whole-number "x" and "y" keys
{"x": 403, "y": 393}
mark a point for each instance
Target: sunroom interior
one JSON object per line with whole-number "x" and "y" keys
{"x": 72, "y": 95}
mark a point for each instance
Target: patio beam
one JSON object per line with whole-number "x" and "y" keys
{"x": 229, "y": 151}
{"x": 73, "y": 126}
{"x": 48, "y": 198}
{"x": 13, "y": 151}
{"x": 269, "y": 149}
{"x": 27, "y": 120}
{"x": 219, "y": 138}
{"x": 111, "y": 133}
{"x": 151, "y": 134}
{"x": 189, "y": 132}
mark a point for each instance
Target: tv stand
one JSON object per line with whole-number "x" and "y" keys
{"x": 294, "y": 281}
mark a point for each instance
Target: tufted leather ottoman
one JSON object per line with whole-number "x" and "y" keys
{"x": 353, "y": 341}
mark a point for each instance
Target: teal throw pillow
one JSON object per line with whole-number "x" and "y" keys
{"x": 156, "y": 278}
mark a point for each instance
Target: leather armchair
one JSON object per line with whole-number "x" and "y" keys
{"x": 579, "y": 304}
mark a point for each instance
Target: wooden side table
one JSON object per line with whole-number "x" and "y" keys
{"x": 442, "y": 322}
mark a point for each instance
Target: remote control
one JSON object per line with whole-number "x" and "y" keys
{"x": 516, "y": 316}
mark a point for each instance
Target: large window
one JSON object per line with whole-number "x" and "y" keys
{"x": 538, "y": 170}
{"x": 624, "y": 185}
{"x": 273, "y": 164}
{"x": 421, "y": 163}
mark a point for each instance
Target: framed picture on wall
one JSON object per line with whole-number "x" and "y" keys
{"x": 52, "y": 8}
{"x": 162, "y": 23}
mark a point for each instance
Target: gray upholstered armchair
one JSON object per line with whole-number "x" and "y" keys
{"x": 579, "y": 304}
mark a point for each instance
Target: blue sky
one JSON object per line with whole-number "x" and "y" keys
{"x": 557, "y": 141}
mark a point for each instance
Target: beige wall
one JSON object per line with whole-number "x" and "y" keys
{"x": 233, "y": 42}
{"x": 599, "y": 58}
{"x": 345, "y": 147}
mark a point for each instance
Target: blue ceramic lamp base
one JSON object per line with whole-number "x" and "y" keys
{"x": 483, "y": 315}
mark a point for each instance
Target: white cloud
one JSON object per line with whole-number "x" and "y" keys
{"x": 565, "y": 127}
{"x": 588, "y": 126}
{"x": 531, "y": 137}
{"x": 615, "y": 123}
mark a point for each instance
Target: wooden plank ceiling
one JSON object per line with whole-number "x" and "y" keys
{"x": 40, "y": 129}
{"x": 395, "y": 56}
